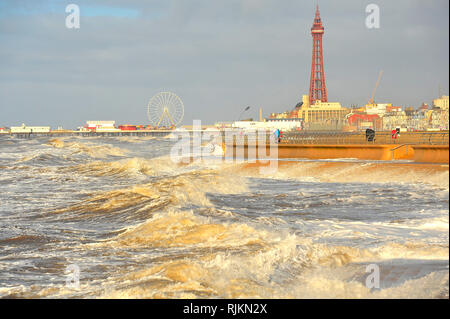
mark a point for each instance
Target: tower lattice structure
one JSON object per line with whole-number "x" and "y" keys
{"x": 317, "y": 87}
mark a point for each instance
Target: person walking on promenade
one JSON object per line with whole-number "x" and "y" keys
{"x": 277, "y": 135}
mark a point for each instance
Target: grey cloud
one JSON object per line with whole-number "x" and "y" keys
{"x": 218, "y": 56}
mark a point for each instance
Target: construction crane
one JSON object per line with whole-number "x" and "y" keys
{"x": 376, "y": 85}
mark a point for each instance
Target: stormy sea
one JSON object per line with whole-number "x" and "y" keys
{"x": 130, "y": 222}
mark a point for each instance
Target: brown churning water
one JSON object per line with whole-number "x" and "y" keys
{"x": 140, "y": 226}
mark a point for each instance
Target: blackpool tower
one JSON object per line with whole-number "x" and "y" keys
{"x": 317, "y": 87}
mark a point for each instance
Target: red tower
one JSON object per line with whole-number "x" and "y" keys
{"x": 317, "y": 87}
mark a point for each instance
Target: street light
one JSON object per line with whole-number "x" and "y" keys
{"x": 244, "y": 110}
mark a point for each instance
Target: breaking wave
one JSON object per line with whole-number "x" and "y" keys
{"x": 182, "y": 190}
{"x": 91, "y": 149}
{"x": 361, "y": 172}
{"x": 240, "y": 261}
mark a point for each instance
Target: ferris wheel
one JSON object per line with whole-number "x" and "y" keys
{"x": 165, "y": 109}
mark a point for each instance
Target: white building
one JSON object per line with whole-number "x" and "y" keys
{"x": 101, "y": 126}
{"x": 378, "y": 109}
{"x": 30, "y": 129}
{"x": 272, "y": 124}
{"x": 442, "y": 102}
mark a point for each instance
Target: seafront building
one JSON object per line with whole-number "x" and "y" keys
{"x": 23, "y": 129}
{"x": 441, "y": 102}
{"x": 361, "y": 121}
{"x": 380, "y": 117}
{"x": 99, "y": 126}
{"x": 283, "y": 124}
{"x": 421, "y": 119}
{"x": 321, "y": 113}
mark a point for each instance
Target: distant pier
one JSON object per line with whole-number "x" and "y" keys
{"x": 158, "y": 133}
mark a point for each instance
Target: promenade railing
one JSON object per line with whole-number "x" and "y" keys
{"x": 305, "y": 137}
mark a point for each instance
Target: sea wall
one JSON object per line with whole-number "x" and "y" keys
{"x": 386, "y": 152}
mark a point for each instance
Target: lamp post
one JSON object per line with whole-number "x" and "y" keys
{"x": 244, "y": 110}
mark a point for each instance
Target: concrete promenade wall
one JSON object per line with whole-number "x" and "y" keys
{"x": 386, "y": 152}
{"x": 431, "y": 153}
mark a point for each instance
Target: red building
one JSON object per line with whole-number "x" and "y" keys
{"x": 127, "y": 127}
{"x": 365, "y": 121}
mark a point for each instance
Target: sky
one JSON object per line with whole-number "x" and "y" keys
{"x": 218, "y": 56}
